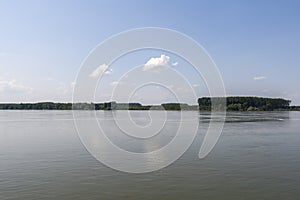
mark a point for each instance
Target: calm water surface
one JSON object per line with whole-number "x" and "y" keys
{"x": 257, "y": 157}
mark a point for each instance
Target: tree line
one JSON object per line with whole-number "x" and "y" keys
{"x": 247, "y": 103}
{"x": 204, "y": 103}
{"x": 95, "y": 106}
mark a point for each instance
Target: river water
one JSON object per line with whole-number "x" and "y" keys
{"x": 256, "y": 157}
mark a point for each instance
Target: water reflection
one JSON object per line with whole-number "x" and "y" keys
{"x": 238, "y": 117}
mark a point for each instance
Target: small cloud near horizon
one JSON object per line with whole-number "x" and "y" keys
{"x": 102, "y": 69}
{"x": 14, "y": 86}
{"x": 114, "y": 83}
{"x": 259, "y": 78}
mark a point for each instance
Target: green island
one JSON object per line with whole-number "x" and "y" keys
{"x": 237, "y": 103}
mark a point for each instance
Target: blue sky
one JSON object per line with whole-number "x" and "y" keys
{"x": 255, "y": 44}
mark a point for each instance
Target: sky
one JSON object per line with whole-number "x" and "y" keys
{"x": 255, "y": 45}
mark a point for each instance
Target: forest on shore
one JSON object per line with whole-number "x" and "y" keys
{"x": 204, "y": 103}
{"x": 239, "y": 103}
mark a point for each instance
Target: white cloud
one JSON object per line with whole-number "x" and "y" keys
{"x": 50, "y": 79}
{"x": 196, "y": 85}
{"x": 163, "y": 60}
{"x": 14, "y": 86}
{"x": 114, "y": 83}
{"x": 102, "y": 69}
{"x": 108, "y": 71}
{"x": 259, "y": 78}
{"x": 174, "y": 64}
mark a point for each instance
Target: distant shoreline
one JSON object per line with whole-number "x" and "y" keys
{"x": 204, "y": 103}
